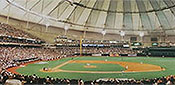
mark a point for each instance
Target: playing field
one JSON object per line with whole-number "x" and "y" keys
{"x": 91, "y": 68}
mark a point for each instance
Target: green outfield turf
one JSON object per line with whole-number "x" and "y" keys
{"x": 167, "y": 63}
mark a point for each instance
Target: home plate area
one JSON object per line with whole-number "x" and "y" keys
{"x": 89, "y": 66}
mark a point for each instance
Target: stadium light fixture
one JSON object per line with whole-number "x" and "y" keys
{"x": 47, "y": 24}
{"x": 141, "y": 34}
{"x": 66, "y": 27}
{"x": 46, "y": 21}
{"x": 122, "y": 33}
{"x": 103, "y": 32}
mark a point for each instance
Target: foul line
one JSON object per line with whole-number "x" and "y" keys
{"x": 57, "y": 67}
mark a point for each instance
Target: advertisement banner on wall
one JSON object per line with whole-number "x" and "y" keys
{"x": 96, "y": 55}
{"x": 132, "y": 54}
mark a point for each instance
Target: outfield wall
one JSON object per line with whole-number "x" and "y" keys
{"x": 161, "y": 52}
{"x": 105, "y": 54}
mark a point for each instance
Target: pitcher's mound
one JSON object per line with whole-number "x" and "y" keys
{"x": 89, "y": 66}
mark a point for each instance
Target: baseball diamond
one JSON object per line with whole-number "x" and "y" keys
{"x": 133, "y": 67}
{"x": 114, "y": 67}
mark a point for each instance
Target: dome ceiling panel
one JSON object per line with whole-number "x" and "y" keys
{"x": 144, "y": 18}
{"x": 94, "y": 15}
{"x": 55, "y": 13}
{"x": 76, "y": 13}
{"x": 163, "y": 20}
{"x": 127, "y": 15}
{"x": 3, "y": 8}
{"x": 160, "y": 14}
{"x": 169, "y": 3}
{"x": 134, "y": 7}
{"x": 37, "y": 7}
{"x": 162, "y": 4}
{"x": 170, "y": 17}
{"x": 83, "y": 19}
{"x": 154, "y": 22}
{"x": 22, "y": 3}
{"x": 105, "y": 4}
{"x": 172, "y": 1}
{"x": 64, "y": 15}
{"x": 102, "y": 15}
{"x": 46, "y": 3}
{"x": 127, "y": 21}
{"x": 58, "y": 9}
{"x": 87, "y": 12}
{"x": 13, "y": 13}
{"x": 119, "y": 21}
{"x": 101, "y": 20}
{"x": 110, "y": 19}
{"x": 120, "y": 5}
{"x": 53, "y": 5}
{"x": 146, "y": 4}
{"x": 136, "y": 20}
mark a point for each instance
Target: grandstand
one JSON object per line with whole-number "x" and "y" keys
{"x": 91, "y": 42}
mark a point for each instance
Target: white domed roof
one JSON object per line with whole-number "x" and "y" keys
{"x": 96, "y": 15}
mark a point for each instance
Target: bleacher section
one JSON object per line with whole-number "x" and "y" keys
{"x": 9, "y": 34}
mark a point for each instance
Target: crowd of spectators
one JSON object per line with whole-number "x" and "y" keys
{"x": 10, "y": 34}
{"x": 109, "y": 50}
{"x": 169, "y": 80}
{"x": 9, "y": 54}
{"x": 34, "y": 79}
{"x": 65, "y": 40}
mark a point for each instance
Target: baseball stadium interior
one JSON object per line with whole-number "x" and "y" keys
{"x": 87, "y": 42}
